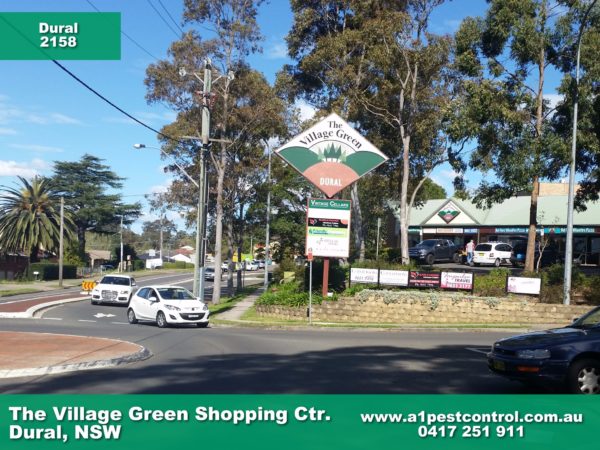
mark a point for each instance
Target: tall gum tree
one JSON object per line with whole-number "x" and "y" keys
{"x": 503, "y": 58}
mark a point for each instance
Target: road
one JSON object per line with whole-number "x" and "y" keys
{"x": 253, "y": 360}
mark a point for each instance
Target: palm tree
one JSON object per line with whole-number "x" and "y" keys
{"x": 30, "y": 218}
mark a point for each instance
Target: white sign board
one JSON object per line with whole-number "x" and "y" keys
{"x": 328, "y": 227}
{"x": 394, "y": 277}
{"x": 358, "y": 275}
{"x": 456, "y": 280}
{"x": 522, "y": 285}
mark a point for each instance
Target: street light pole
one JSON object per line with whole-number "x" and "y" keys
{"x": 61, "y": 242}
{"x": 570, "y": 206}
{"x": 121, "y": 260}
{"x": 267, "y": 249}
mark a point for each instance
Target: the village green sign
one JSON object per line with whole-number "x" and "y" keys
{"x": 331, "y": 155}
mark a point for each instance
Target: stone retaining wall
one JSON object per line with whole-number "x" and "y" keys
{"x": 403, "y": 307}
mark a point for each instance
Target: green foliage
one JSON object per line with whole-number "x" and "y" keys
{"x": 337, "y": 276}
{"x": 49, "y": 271}
{"x": 30, "y": 218}
{"x": 177, "y": 265}
{"x": 288, "y": 294}
{"x": 492, "y": 284}
{"x": 139, "y": 264}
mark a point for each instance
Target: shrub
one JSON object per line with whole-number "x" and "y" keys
{"x": 48, "y": 271}
{"x": 493, "y": 284}
{"x": 177, "y": 265}
{"x": 288, "y": 294}
{"x": 337, "y": 276}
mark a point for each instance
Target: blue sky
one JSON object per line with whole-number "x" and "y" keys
{"x": 47, "y": 116}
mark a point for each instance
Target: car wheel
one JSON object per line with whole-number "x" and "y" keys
{"x": 430, "y": 259}
{"x": 161, "y": 320}
{"x": 584, "y": 376}
{"x": 202, "y": 325}
{"x": 94, "y": 302}
{"x": 131, "y": 316}
{"x": 497, "y": 262}
{"x": 456, "y": 258}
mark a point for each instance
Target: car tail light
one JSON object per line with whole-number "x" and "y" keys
{"x": 529, "y": 369}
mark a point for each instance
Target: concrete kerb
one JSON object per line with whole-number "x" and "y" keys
{"x": 141, "y": 355}
{"x": 34, "y": 310}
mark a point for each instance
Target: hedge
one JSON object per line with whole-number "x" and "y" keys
{"x": 48, "y": 271}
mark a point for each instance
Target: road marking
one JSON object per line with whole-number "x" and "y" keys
{"x": 120, "y": 323}
{"x": 94, "y": 321}
{"x": 99, "y": 315}
{"x": 52, "y": 318}
{"x": 483, "y": 350}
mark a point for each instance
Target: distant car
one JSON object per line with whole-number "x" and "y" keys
{"x": 105, "y": 267}
{"x": 494, "y": 253}
{"x": 549, "y": 255}
{"x": 225, "y": 266}
{"x": 209, "y": 273}
{"x": 114, "y": 289}
{"x": 432, "y": 250}
{"x": 167, "y": 305}
{"x": 250, "y": 265}
{"x": 261, "y": 263}
{"x": 568, "y": 356}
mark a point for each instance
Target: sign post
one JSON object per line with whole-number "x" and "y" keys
{"x": 310, "y": 261}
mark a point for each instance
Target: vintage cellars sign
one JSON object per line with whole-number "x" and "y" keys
{"x": 331, "y": 155}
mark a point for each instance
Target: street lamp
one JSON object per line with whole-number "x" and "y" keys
{"x": 198, "y": 289}
{"x": 569, "y": 236}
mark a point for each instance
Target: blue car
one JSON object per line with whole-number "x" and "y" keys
{"x": 569, "y": 356}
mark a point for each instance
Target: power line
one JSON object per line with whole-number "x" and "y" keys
{"x": 121, "y": 110}
{"x": 171, "y": 17}
{"x": 127, "y": 36}
{"x": 163, "y": 19}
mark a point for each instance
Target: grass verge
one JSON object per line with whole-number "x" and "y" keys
{"x": 10, "y": 292}
{"x": 228, "y": 303}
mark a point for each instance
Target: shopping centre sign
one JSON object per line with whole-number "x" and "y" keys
{"x": 331, "y": 155}
{"x": 328, "y": 228}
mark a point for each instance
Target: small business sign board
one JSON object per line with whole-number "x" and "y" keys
{"x": 523, "y": 285}
{"x": 394, "y": 277}
{"x": 457, "y": 280}
{"x": 424, "y": 279}
{"x": 331, "y": 155}
{"x": 328, "y": 227}
{"x": 360, "y": 275}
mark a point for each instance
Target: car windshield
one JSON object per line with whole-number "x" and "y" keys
{"x": 427, "y": 243}
{"x": 119, "y": 281}
{"x": 590, "y": 320}
{"x": 175, "y": 294}
{"x": 483, "y": 248}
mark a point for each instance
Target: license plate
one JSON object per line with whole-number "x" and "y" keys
{"x": 193, "y": 316}
{"x": 481, "y": 254}
{"x": 499, "y": 365}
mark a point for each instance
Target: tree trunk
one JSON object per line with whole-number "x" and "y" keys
{"x": 230, "y": 251}
{"x": 81, "y": 243}
{"x": 358, "y": 229}
{"x": 404, "y": 213}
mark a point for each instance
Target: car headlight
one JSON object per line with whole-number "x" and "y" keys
{"x": 533, "y": 354}
{"x": 204, "y": 308}
{"x": 124, "y": 292}
{"x": 172, "y": 308}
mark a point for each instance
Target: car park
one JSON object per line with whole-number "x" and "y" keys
{"x": 495, "y": 253}
{"x": 167, "y": 305}
{"x": 433, "y": 250}
{"x": 114, "y": 289}
{"x": 549, "y": 255}
{"x": 568, "y": 357}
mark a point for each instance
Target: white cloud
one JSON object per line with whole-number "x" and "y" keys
{"x": 277, "y": 50}
{"x": 149, "y": 118}
{"x": 306, "y": 111}
{"x": 7, "y": 132}
{"x": 554, "y": 99}
{"x": 23, "y": 169}
{"x": 37, "y": 148}
{"x": 12, "y": 114}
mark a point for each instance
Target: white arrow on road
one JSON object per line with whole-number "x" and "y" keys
{"x": 99, "y": 315}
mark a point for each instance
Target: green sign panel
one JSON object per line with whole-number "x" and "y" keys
{"x": 60, "y": 36}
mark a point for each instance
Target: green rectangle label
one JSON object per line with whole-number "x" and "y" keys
{"x": 60, "y": 36}
{"x": 329, "y": 204}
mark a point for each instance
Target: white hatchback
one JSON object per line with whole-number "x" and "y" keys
{"x": 167, "y": 305}
{"x": 494, "y": 253}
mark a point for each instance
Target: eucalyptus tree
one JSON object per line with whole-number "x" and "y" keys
{"x": 240, "y": 107}
{"x": 503, "y": 58}
{"x": 30, "y": 218}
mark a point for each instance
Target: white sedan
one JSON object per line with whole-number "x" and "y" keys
{"x": 167, "y": 305}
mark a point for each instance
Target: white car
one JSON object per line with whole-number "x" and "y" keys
{"x": 250, "y": 265}
{"x": 167, "y": 305}
{"x": 494, "y": 253}
{"x": 114, "y": 289}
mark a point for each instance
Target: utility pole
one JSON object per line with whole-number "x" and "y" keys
{"x": 161, "y": 237}
{"x": 121, "y": 262}
{"x": 572, "y": 168}
{"x": 267, "y": 249}
{"x": 61, "y": 244}
{"x": 201, "y": 225}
